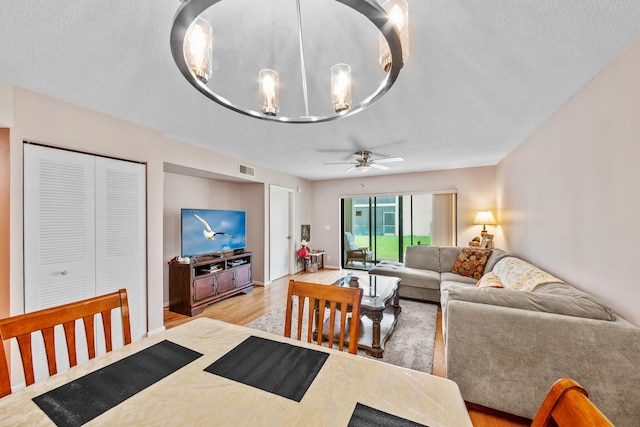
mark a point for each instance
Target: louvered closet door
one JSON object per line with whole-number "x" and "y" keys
{"x": 59, "y": 236}
{"x": 121, "y": 238}
{"x": 84, "y": 221}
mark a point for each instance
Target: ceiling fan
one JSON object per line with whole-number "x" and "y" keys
{"x": 364, "y": 162}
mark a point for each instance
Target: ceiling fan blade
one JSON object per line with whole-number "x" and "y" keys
{"x": 340, "y": 163}
{"x": 377, "y": 166}
{"x": 350, "y": 169}
{"x": 389, "y": 160}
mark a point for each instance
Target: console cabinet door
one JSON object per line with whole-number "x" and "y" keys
{"x": 225, "y": 281}
{"x": 243, "y": 275}
{"x": 203, "y": 287}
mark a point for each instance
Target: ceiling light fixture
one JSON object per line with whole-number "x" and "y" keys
{"x": 192, "y": 49}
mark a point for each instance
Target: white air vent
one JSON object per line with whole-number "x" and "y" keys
{"x": 247, "y": 170}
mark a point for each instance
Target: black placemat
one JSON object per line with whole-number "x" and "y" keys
{"x": 284, "y": 369}
{"x": 366, "y": 416}
{"x": 83, "y": 399}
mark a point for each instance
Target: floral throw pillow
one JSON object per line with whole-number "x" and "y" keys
{"x": 471, "y": 262}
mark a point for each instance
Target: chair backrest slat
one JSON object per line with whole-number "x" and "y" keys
{"x": 22, "y": 326}
{"x": 317, "y": 298}
{"x": 70, "y": 337}
{"x": 568, "y": 404}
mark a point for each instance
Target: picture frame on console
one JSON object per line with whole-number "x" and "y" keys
{"x": 305, "y": 232}
{"x": 487, "y": 241}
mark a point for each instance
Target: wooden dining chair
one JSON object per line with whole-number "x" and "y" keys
{"x": 22, "y": 326}
{"x": 335, "y": 298}
{"x": 568, "y": 404}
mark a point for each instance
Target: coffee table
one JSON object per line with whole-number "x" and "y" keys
{"x": 379, "y": 309}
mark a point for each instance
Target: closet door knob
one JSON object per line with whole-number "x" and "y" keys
{"x": 63, "y": 272}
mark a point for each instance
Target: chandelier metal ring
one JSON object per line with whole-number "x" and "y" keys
{"x": 189, "y": 11}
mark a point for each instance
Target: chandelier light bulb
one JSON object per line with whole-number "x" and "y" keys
{"x": 198, "y": 49}
{"x": 268, "y": 88}
{"x": 341, "y": 87}
{"x": 398, "y": 12}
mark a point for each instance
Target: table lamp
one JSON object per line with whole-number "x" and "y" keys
{"x": 484, "y": 218}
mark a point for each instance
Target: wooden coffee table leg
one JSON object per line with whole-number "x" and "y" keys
{"x": 376, "y": 318}
{"x": 396, "y": 303}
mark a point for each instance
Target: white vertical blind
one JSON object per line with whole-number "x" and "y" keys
{"x": 443, "y": 220}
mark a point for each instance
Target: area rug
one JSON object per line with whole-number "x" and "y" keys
{"x": 410, "y": 345}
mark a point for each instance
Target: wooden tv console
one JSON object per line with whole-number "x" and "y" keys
{"x": 192, "y": 287}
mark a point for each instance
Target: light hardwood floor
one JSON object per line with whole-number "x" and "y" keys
{"x": 244, "y": 308}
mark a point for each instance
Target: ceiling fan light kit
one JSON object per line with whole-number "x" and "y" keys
{"x": 192, "y": 41}
{"x": 364, "y": 162}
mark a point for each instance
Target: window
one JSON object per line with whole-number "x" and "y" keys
{"x": 388, "y": 224}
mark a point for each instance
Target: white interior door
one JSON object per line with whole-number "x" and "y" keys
{"x": 59, "y": 243}
{"x": 59, "y": 227}
{"x": 120, "y": 239}
{"x": 280, "y": 231}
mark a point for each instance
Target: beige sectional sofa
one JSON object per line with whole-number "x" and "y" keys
{"x": 505, "y": 347}
{"x": 425, "y": 268}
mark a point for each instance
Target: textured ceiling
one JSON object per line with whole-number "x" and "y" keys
{"x": 481, "y": 77}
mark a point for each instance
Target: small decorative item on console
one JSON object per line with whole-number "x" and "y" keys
{"x": 475, "y": 242}
{"x": 353, "y": 282}
{"x": 487, "y": 241}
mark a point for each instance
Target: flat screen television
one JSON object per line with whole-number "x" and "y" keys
{"x": 212, "y": 231}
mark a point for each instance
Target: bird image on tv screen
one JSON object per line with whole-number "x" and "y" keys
{"x": 209, "y": 231}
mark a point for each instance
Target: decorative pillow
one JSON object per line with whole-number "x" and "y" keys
{"x": 489, "y": 280}
{"x": 471, "y": 262}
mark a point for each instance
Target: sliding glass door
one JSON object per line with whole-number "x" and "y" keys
{"x": 385, "y": 225}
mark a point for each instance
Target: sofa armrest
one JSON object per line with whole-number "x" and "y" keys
{"x": 508, "y": 358}
{"x": 576, "y": 304}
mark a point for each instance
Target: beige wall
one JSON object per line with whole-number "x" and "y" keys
{"x": 6, "y": 105}
{"x": 42, "y": 119}
{"x": 475, "y": 188}
{"x": 569, "y": 197}
{"x": 4, "y": 222}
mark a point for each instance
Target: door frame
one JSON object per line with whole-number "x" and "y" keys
{"x": 290, "y": 228}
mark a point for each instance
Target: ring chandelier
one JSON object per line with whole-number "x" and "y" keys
{"x": 192, "y": 50}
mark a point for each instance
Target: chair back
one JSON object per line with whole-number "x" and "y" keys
{"x": 22, "y": 326}
{"x": 335, "y": 298}
{"x": 568, "y": 404}
{"x": 351, "y": 243}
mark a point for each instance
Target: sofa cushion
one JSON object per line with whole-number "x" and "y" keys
{"x": 489, "y": 280}
{"x": 419, "y": 278}
{"x": 518, "y": 274}
{"x": 496, "y": 256}
{"x": 456, "y": 278}
{"x": 423, "y": 257}
{"x": 387, "y": 268}
{"x": 408, "y": 276}
{"x": 471, "y": 262}
{"x": 448, "y": 257}
{"x": 568, "y": 304}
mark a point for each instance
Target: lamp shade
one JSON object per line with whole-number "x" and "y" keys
{"x": 484, "y": 218}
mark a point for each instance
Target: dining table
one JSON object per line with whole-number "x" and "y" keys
{"x": 209, "y": 372}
